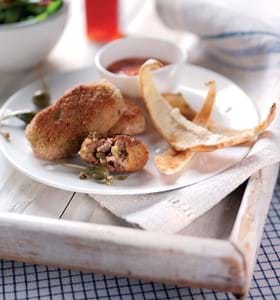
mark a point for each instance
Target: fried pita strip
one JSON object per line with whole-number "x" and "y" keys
{"x": 171, "y": 124}
{"x": 177, "y": 100}
{"x": 189, "y": 112}
{"x": 172, "y": 161}
{"x": 234, "y": 137}
{"x": 181, "y": 133}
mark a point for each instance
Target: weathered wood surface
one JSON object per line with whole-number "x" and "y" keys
{"x": 117, "y": 250}
{"x": 249, "y": 224}
{"x": 20, "y": 194}
{"x": 84, "y": 209}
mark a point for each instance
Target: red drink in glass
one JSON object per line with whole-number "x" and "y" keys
{"x": 102, "y": 19}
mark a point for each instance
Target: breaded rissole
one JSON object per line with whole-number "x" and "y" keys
{"x": 132, "y": 122}
{"x": 59, "y": 130}
{"x": 120, "y": 153}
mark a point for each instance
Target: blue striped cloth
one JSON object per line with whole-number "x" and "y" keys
{"x": 25, "y": 281}
{"x": 242, "y": 34}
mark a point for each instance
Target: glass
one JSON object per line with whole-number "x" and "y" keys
{"x": 102, "y": 20}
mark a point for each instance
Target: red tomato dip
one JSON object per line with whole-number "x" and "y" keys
{"x": 129, "y": 66}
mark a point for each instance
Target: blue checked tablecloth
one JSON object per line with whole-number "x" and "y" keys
{"x": 26, "y": 281}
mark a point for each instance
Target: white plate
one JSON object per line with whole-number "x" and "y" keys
{"x": 233, "y": 109}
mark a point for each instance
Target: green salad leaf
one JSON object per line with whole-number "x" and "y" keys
{"x": 13, "y": 11}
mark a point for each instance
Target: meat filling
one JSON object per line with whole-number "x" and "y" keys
{"x": 110, "y": 152}
{"x": 120, "y": 153}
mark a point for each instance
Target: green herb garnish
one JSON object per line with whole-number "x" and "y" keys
{"x": 25, "y": 116}
{"x": 41, "y": 99}
{"x": 98, "y": 173}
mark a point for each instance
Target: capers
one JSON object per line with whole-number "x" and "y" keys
{"x": 100, "y": 155}
{"x": 121, "y": 177}
{"x": 98, "y": 173}
{"x": 115, "y": 150}
{"x": 83, "y": 176}
{"x": 41, "y": 99}
{"x": 109, "y": 180}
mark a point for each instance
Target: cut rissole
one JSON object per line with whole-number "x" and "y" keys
{"x": 120, "y": 153}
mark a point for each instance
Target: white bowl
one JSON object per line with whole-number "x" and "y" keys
{"x": 140, "y": 47}
{"x": 26, "y": 44}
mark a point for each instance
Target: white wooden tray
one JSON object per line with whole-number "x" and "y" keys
{"x": 218, "y": 251}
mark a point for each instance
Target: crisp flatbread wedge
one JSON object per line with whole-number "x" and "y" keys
{"x": 177, "y": 100}
{"x": 172, "y": 161}
{"x": 181, "y": 133}
{"x": 234, "y": 137}
{"x": 169, "y": 121}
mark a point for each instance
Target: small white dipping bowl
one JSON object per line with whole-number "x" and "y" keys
{"x": 140, "y": 48}
{"x": 26, "y": 44}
